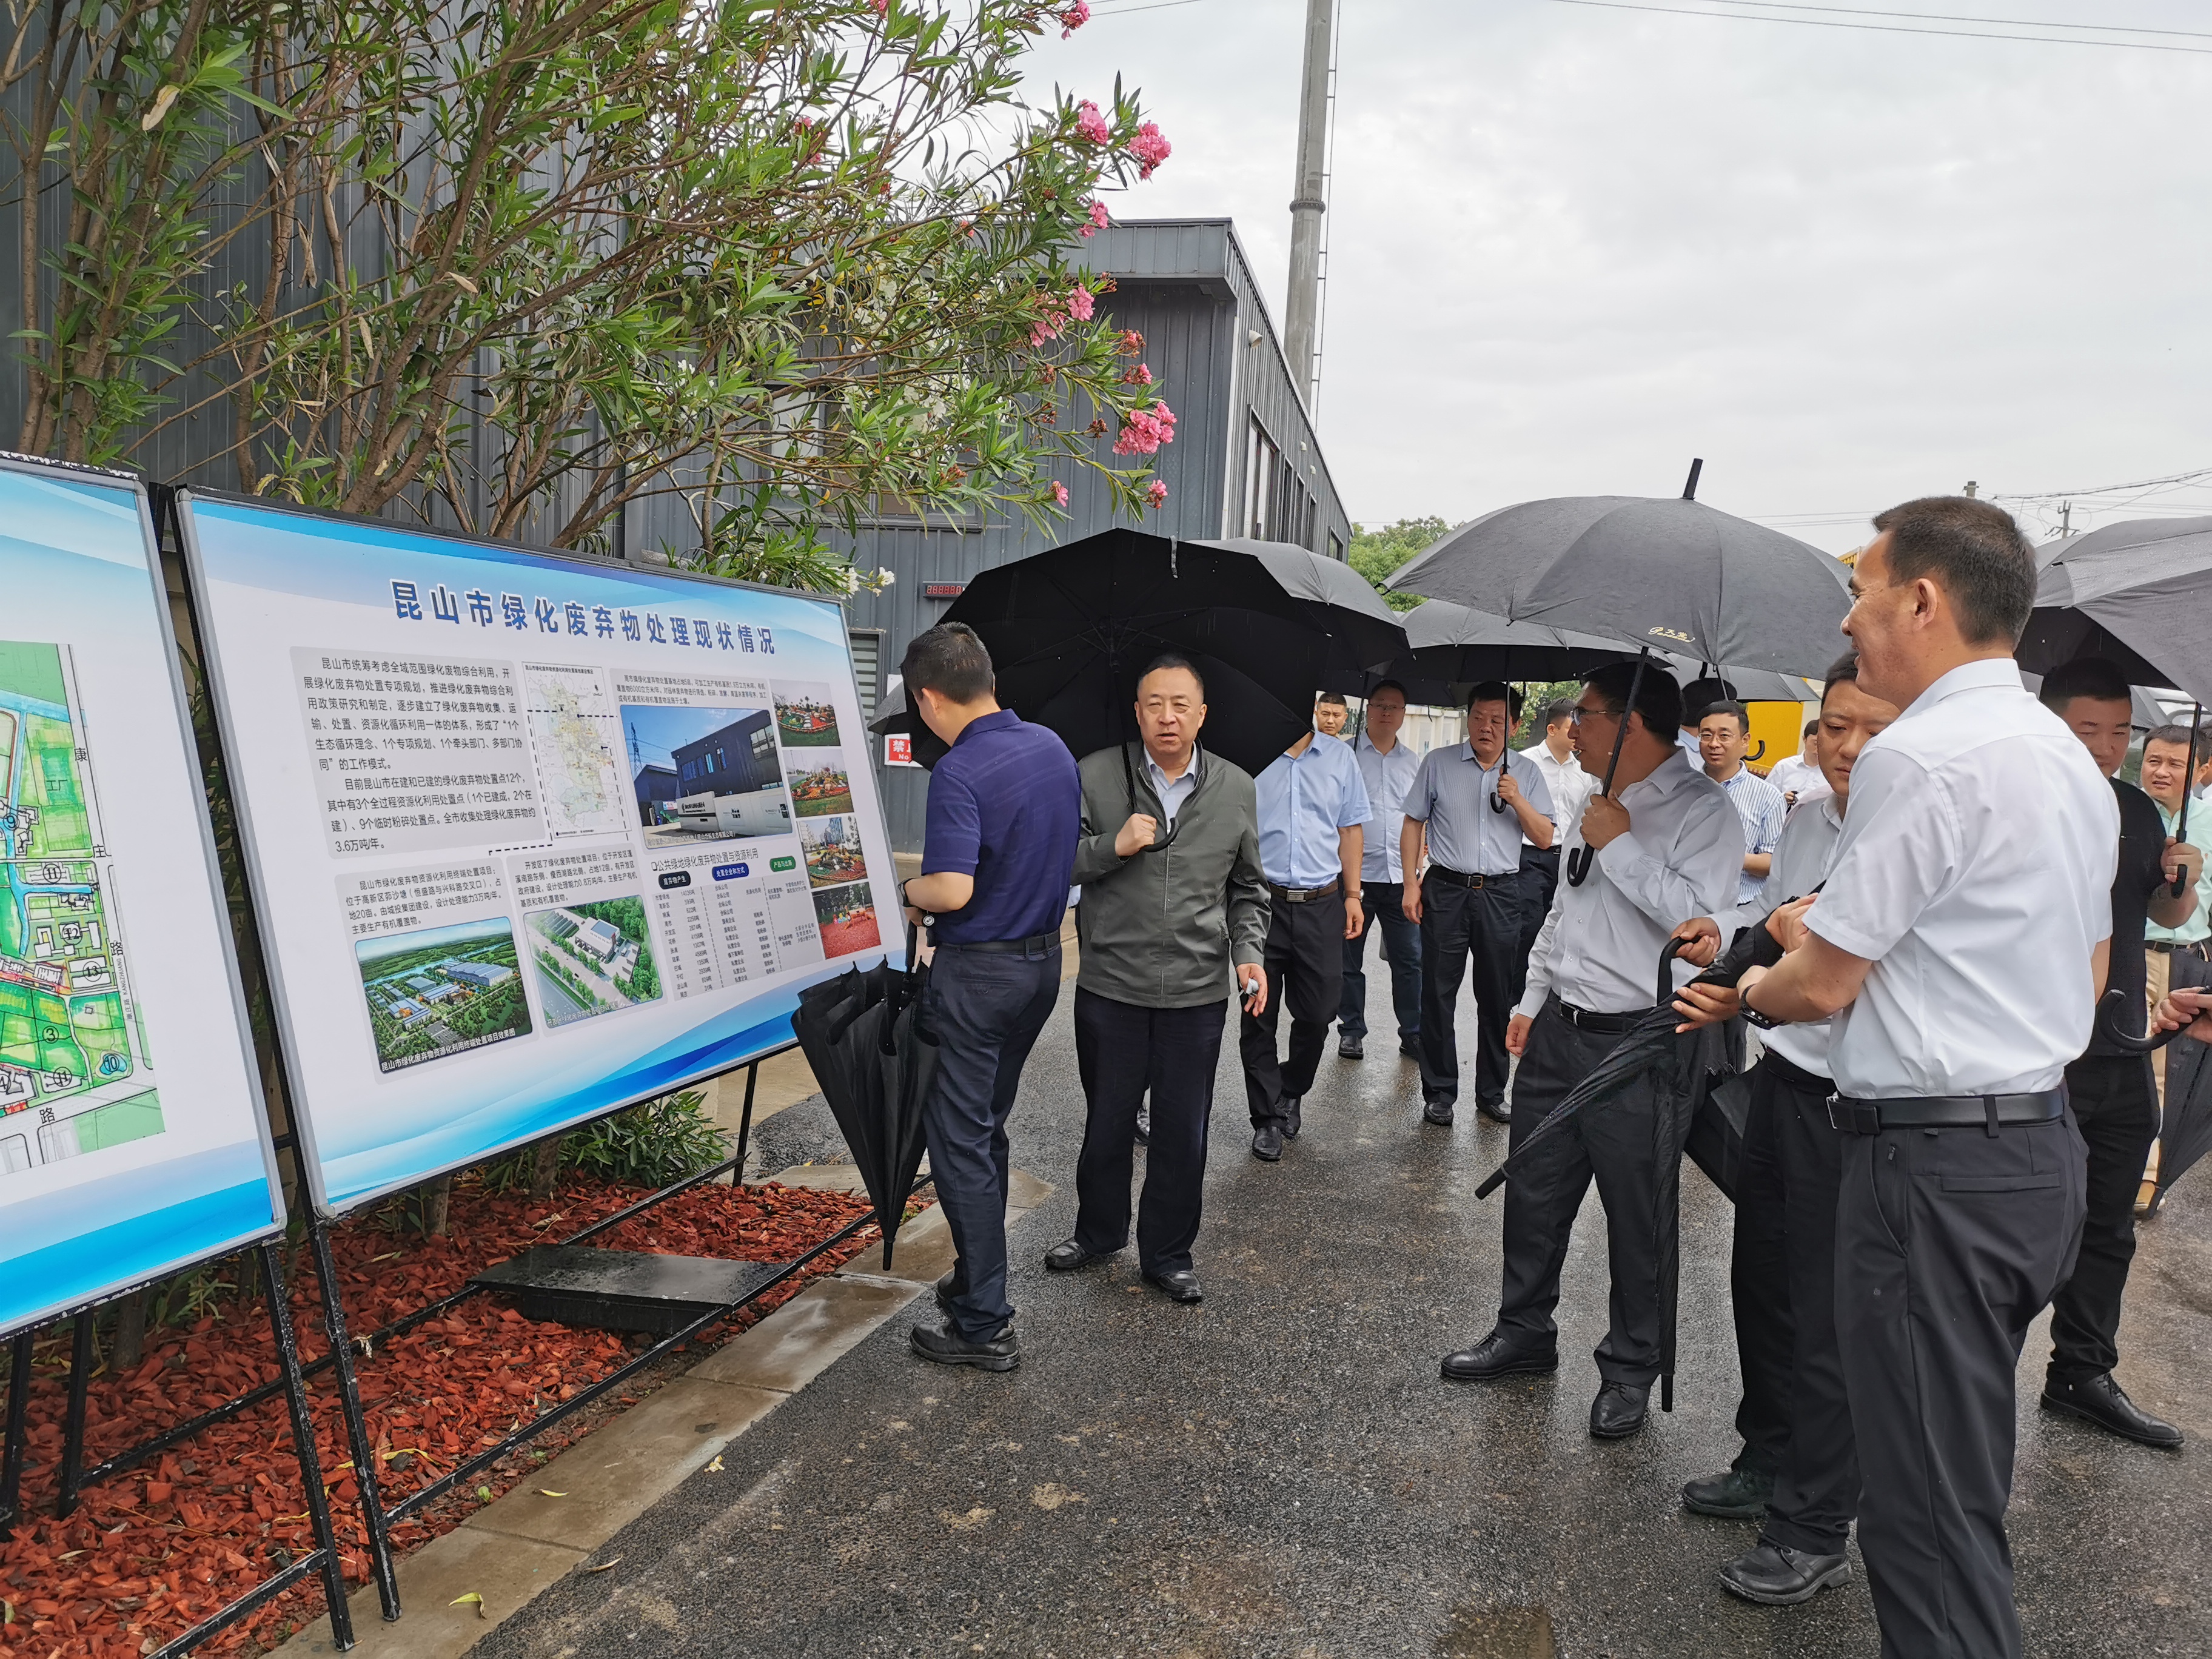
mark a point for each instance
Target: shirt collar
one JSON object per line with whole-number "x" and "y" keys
{"x": 997, "y": 720}
{"x": 1190, "y": 773}
{"x": 1467, "y": 753}
{"x": 1368, "y": 743}
{"x": 1669, "y": 775}
{"x": 1832, "y": 808}
{"x": 1984, "y": 673}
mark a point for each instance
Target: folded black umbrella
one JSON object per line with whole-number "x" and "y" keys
{"x": 861, "y": 1034}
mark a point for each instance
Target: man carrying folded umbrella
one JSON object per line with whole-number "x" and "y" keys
{"x": 1798, "y": 1475}
{"x": 1172, "y": 897}
{"x": 1962, "y": 934}
{"x": 1666, "y": 846}
{"x": 1004, "y": 806}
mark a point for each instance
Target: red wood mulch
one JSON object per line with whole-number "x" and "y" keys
{"x": 151, "y": 1553}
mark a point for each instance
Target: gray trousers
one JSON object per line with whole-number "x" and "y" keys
{"x": 1948, "y": 1243}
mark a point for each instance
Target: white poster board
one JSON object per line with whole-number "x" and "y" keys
{"x": 132, "y": 1140}
{"x": 532, "y": 836}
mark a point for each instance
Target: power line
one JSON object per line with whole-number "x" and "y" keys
{"x": 1882, "y": 28}
{"x": 2111, "y": 489}
{"x": 1963, "y": 17}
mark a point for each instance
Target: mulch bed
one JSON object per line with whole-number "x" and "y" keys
{"x": 151, "y": 1553}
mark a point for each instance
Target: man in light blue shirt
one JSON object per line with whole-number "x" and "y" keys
{"x": 1386, "y": 768}
{"x": 1723, "y": 737}
{"x": 1312, "y": 804}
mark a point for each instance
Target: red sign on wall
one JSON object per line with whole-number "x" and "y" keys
{"x": 898, "y": 750}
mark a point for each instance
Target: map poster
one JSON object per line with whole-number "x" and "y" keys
{"x": 132, "y": 1141}
{"x": 531, "y": 836}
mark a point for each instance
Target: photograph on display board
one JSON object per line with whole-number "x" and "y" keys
{"x": 821, "y": 787}
{"x": 847, "y": 919}
{"x": 442, "y": 991}
{"x": 73, "y": 1074}
{"x": 574, "y": 734}
{"x": 705, "y": 773}
{"x": 804, "y": 717}
{"x": 833, "y": 851}
{"x": 592, "y": 957}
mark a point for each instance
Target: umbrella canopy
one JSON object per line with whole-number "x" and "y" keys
{"x": 1751, "y": 684}
{"x": 2185, "y": 1134}
{"x": 1070, "y": 630}
{"x": 2139, "y": 592}
{"x": 1675, "y": 576}
{"x": 861, "y": 1035}
{"x": 1453, "y": 647}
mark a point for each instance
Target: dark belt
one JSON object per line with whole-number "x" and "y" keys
{"x": 2166, "y": 947}
{"x": 1585, "y": 1019}
{"x": 1038, "y": 943}
{"x": 1805, "y": 1082}
{"x": 1306, "y": 894}
{"x": 1472, "y": 884}
{"x": 1989, "y": 1112}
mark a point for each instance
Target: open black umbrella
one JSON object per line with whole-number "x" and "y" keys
{"x": 861, "y": 1035}
{"x": 1453, "y": 648}
{"x": 1070, "y": 630}
{"x": 2138, "y": 592}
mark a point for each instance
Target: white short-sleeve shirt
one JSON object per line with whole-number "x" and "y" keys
{"x": 1975, "y": 871}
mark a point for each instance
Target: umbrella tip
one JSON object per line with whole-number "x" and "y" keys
{"x": 1690, "y": 489}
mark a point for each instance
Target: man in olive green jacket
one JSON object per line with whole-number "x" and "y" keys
{"x": 1169, "y": 864}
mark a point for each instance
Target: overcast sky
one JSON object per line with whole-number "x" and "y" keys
{"x": 1570, "y": 247}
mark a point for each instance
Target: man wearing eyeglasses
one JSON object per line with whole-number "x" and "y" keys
{"x": 1169, "y": 863}
{"x": 1664, "y": 845}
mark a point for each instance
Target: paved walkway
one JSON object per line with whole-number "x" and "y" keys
{"x": 1281, "y": 1472}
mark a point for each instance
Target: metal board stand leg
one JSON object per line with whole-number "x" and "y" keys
{"x": 11, "y": 1462}
{"x": 73, "y": 1433}
{"x": 303, "y": 1446}
{"x": 364, "y": 1454}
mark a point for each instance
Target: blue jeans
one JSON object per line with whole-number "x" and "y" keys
{"x": 1400, "y": 948}
{"x": 985, "y": 1009}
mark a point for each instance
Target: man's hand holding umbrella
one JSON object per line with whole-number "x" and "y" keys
{"x": 2188, "y": 1011}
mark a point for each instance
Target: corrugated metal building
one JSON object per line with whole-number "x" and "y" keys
{"x": 1244, "y": 461}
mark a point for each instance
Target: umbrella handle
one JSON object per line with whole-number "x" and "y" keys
{"x": 2180, "y": 883}
{"x": 1666, "y": 972}
{"x": 1759, "y": 753}
{"x": 2108, "y": 1027}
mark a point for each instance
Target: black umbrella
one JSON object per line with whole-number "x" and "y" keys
{"x": 861, "y": 1035}
{"x": 1070, "y": 630}
{"x": 2184, "y": 1132}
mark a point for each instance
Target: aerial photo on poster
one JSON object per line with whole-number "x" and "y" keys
{"x": 847, "y": 919}
{"x": 833, "y": 851}
{"x": 704, "y": 773}
{"x": 592, "y": 957}
{"x": 574, "y": 733}
{"x": 71, "y": 1044}
{"x": 822, "y": 788}
{"x": 804, "y": 717}
{"x": 441, "y": 991}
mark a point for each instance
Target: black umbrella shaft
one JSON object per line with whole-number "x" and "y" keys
{"x": 2188, "y": 785}
{"x": 1578, "y": 862}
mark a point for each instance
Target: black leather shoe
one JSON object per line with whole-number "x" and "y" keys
{"x": 1294, "y": 1117}
{"x": 1438, "y": 1112}
{"x": 1068, "y": 1256}
{"x": 1776, "y": 1576}
{"x": 1408, "y": 1047}
{"x": 1619, "y": 1410}
{"x": 1741, "y": 1494}
{"x": 1180, "y": 1285}
{"x": 1495, "y": 1110}
{"x": 2101, "y": 1401}
{"x": 945, "y": 1288}
{"x": 945, "y": 1346}
{"x": 1268, "y": 1142}
{"x": 1348, "y": 1048}
{"x": 1494, "y": 1356}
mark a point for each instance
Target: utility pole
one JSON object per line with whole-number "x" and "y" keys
{"x": 1302, "y": 316}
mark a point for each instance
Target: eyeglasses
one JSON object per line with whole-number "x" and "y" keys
{"x": 1577, "y": 713}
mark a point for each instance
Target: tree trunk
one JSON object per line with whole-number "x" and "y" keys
{"x": 437, "y": 1200}
{"x": 545, "y": 1166}
{"x": 131, "y": 1331}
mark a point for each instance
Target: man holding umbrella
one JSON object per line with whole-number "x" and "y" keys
{"x": 1962, "y": 934}
{"x": 1666, "y": 846}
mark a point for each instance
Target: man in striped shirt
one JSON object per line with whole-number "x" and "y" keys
{"x": 1723, "y": 735}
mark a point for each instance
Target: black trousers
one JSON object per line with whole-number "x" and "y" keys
{"x": 2117, "y": 1108}
{"x": 1539, "y": 881}
{"x": 985, "y": 1009}
{"x": 1464, "y": 927}
{"x": 1121, "y": 1051}
{"x": 1948, "y": 1243}
{"x": 1794, "y": 1418}
{"x": 1402, "y": 948}
{"x": 1305, "y": 972}
{"x": 1614, "y": 1146}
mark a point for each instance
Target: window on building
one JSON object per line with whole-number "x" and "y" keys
{"x": 1335, "y": 547}
{"x": 867, "y": 668}
{"x": 1263, "y": 484}
{"x": 763, "y": 741}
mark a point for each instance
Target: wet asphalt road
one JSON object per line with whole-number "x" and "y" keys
{"x": 1281, "y": 1472}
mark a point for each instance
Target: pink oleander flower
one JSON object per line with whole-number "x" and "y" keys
{"x": 1156, "y": 492}
{"x": 881, "y": 6}
{"x": 1074, "y": 18}
{"x": 1090, "y": 124}
{"x": 1097, "y": 218}
{"x": 1146, "y": 430}
{"x": 1140, "y": 375}
{"x": 1079, "y": 303}
{"x": 1045, "y": 328}
{"x": 1060, "y": 492}
{"x": 1150, "y": 148}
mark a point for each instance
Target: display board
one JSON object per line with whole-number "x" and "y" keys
{"x": 532, "y": 836}
{"x": 132, "y": 1140}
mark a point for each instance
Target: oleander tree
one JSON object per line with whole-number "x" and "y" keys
{"x": 524, "y": 262}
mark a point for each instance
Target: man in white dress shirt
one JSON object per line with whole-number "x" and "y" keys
{"x": 1798, "y": 1474}
{"x": 1388, "y": 767}
{"x": 1962, "y": 937}
{"x": 1799, "y": 776}
{"x": 1553, "y": 754}
{"x": 1665, "y": 848}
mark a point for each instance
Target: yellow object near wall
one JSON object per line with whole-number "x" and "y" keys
{"x": 1782, "y": 725}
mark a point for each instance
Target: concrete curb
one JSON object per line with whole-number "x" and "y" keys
{"x": 511, "y": 1550}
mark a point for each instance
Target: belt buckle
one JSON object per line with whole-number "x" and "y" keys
{"x": 1475, "y": 880}
{"x": 1859, "y": 1117}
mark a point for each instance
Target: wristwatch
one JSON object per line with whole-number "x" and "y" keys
{"x": 1751, "y": 1015}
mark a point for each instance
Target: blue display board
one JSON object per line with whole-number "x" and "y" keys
{"x": 531, "y": 836}
{"x": 132, "y": 1139}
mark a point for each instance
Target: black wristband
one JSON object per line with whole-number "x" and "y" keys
{"x": 1753, "y": 1017}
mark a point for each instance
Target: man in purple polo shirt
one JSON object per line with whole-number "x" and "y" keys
{"x": 998, "y": 855}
